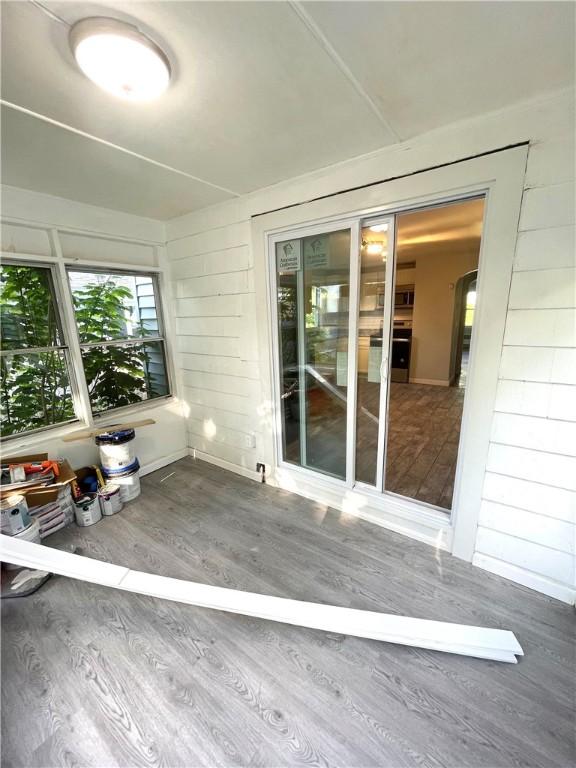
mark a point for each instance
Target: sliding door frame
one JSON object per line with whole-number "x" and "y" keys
{"x": 499, "y": 178}
{"x": 348, "y": 223}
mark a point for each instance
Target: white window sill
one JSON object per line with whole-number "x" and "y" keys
{"x": 35, "y": 442}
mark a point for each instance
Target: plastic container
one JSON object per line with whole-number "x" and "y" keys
{"x": 128, "y": 480}
{"x": 127, "y": 470}
{"x": 129, "y": 486}
{"x": 116, "y": 449}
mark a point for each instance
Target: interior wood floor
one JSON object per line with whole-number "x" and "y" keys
{"x": 96, "y": 677}
{"x": 422, "y": 451}
{"x": 423, "y": 434}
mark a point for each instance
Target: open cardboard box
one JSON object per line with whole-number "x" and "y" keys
{"x": 37, "y": 495}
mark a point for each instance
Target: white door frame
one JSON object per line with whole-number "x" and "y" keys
{"x": 500, "y": 178}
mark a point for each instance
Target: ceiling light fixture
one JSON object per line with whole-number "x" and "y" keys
{"x": 374, "y": 248}
{"x": 120, "y": 59}
{"x": 379, "y": 228}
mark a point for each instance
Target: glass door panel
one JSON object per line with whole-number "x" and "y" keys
{"x": 437, "y": 252}
{"x": 373, "y": 345}
{"x": 313, "y": 285}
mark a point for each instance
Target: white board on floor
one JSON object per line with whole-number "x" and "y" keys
{"x": 479, "y": 642}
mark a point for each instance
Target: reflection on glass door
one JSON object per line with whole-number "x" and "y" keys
{"x": 372, "y": 354}
{"x": 313, "y": 287}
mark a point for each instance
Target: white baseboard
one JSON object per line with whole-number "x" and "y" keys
{"x": 164, "y": 461}
{"x": 535, "y": 581}
{"x": 223, "y": 464}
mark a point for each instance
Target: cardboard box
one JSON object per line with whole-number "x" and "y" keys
{"x": 37, "y": 495}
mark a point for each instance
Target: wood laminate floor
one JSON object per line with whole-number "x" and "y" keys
{"x": 422, "y": 446}
{"x": 96, "y": 677}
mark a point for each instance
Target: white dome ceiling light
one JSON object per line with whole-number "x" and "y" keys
{"x": 120, "y": 59}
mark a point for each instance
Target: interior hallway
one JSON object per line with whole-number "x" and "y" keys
{"x": 97, "y": 677}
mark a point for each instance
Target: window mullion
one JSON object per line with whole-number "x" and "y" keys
{"x": 78, "y": 380}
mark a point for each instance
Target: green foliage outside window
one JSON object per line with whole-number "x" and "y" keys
{"x": 35, "y": 387}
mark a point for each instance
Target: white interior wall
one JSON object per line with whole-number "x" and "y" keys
{"x": 527, "y": 521}
{"x": 91, "y": 236}
{"x": 435, "y": 277}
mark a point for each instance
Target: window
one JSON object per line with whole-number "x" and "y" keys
{"x": 35, "y": 365}
{"x": 120, "y": 335}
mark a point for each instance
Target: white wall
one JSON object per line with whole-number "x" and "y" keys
{"x": 527, "y": 523}
{"x": 40, "y": 225}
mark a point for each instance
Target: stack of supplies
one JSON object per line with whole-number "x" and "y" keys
{"x": 55, "y": 514}
{"x": 35, "y": 496}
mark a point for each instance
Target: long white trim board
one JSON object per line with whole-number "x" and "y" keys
{"x": 480, "y": 642}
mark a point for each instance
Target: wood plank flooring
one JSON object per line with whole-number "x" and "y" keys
{"x": 424, "y": 431}
{"x": 423, "y": 434}
{"x": 97, "y": 677}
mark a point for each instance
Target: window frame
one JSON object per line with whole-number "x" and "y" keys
{"x": 160, "y": 337}
{"x": 59, "y": 268}
{"x": 65, "y": 347}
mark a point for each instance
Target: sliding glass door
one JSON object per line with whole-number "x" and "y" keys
{"x": 374, "y": 321}
{"x": 313, "y": 290}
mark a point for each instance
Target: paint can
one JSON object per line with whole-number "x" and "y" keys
{"x": 129, "y": 486}
{"x": 116, "y": 449}
{"x": 128, "y": 480}
{"x": 110, "y": 499}
{"x": 30, "y": 533}
{"x": 14, "y": 515}
{"x": 87, "y": 510}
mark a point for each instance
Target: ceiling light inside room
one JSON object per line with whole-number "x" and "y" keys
{"x": 120, "y": 59}
{"x": 379, "y": 228}
{"x": 374, "y": 248}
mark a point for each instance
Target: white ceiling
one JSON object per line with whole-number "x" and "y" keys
{"x": 263, "y": 91}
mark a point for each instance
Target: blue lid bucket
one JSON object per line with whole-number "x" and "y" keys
{"x": 123, "y": 471}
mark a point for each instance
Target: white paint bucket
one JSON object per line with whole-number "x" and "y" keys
{"x": 14, "y": 515}
{"x": 129, "y": 486}
{"x": 116, "y": 449}
{"x": 110, "y": 499}
{"x": 87, "y": 510}
{"x": 30, "y": 533}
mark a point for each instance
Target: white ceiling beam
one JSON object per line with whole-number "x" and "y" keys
{"x": 117, "y": 147}
{"x": 321, "y": 38}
